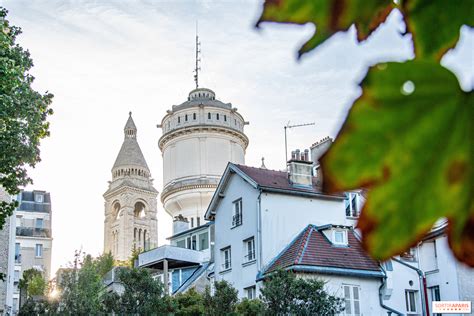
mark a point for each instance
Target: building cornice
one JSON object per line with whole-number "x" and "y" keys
{"x": 124, "y": 188}
{"x": 201, "y": 129}
{"x": 166, "y": 193}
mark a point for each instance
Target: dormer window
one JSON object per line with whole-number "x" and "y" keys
{"x": 339, "y": 237}
{"x": 352, "y": 205}
{"x": 39, "y": 198}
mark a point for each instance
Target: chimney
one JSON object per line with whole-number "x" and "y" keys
{"x": 300, "y": 169}
{"x": 180, "y": 224}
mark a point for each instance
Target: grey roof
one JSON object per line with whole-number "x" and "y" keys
{"x": 130, "y": 123}
{"x": 204, "y": 101}
{"x": 130, "y": 153}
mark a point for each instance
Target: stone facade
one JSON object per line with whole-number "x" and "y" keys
{"x": 6, "y": 260}
{"x": 130, "y": 202}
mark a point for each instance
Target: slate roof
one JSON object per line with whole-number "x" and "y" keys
{"x": 311, "y": 248}
{"x": 276, "y": 179}
{"x": 130, "y": 153}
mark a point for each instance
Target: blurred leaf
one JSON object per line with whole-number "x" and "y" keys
{"x": 409, "y": 138}
{"x": 435, "y": 25}
{"x": 328, "y": 16}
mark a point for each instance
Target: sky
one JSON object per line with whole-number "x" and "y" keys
{"x": 102, "y": 59}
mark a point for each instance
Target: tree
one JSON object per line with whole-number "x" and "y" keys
{"x": 248, "y": 307}
{"x": 408, "y": 138}
{"x": 285, "y": 294}
{"x": 190, "y": 303}
{"x": 37, "y": 286}
{"x": 31, "y": 283}
{"x": 142, "y": 294}
{"x": 23, "y": 115}
{"x": 223, "y": 301}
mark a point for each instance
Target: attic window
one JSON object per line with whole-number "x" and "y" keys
{"x": 339, "y": 237}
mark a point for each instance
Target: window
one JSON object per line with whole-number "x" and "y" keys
{"x": 226, "y": 259}
{"x": 352, "y": 209}
{"x": 388, "y": 265}
{"x": 194, "y": 242}
{"x": 181, "y": 243}
{"x": 186, "y": 117}
{"x": 194, "y": 116}
{"x": 237, "y": 217}
{"x": 188, "y": 242}
{"x": 225, "y": 118}
{"x": 217, "y": 116}
{"x": 39, "y": 223}
{"x": 17, "y": 253}
{"x": 208, "y": 116}
{"x": 339, "y": 237}
{"x": 203, "y": 241}
{"x": 250, "y": 292}
{"x": 39, "y": 198}
{"x": 435, "y": 295}
{"x": 179, "y": 119}
{"x": 409, "y": 255}
{"x": 249, "y": 250}
{"x": 39, "y": 250}
{"x": 410, "y": 300}
{"x": 351, "y": 299}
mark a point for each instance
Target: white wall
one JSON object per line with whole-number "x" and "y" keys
{"x": 369, "y": 289}
{"x": 285, "y": 216}
{"x": 240, "y": 276}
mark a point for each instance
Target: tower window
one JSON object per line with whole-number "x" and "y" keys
{"x": 179, "y": 119}
{"x": 225, "y": 118}
{"x": 194, "y": 116}
{"x": 208, "y": 116}
{"x": 186, "y": 117}
{"x": 217, "y": 116}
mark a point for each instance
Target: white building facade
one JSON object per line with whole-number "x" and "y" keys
{"x": 200, "y": 136}
{"x": 34, "y": 239}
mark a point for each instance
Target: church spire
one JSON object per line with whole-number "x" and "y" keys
{"x": 130, "y": 130}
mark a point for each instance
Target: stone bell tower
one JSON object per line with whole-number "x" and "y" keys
{"x": 130, "y": 201}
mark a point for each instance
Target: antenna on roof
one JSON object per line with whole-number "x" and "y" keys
{"x": 288, "y": 126}
{"x": 198, "y": 50}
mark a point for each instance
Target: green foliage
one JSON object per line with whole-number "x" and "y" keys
{"x": 37, "y": 286}
{"x": 223, "y": 301}
{"x": 142, "y": 294}
{"x": 23, "y": 114}
{"x": 248, "y": 307}
{"x": 104, "y": 263}
{"x": 32, "y": 282}
{"x": 285, "y": 294}
{"x": 413, "y": 150}
{"x": 80, "y": 289}
{"x": 190, "y": 303}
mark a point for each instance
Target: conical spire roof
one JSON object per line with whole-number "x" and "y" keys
{"x": 130, "y": 153}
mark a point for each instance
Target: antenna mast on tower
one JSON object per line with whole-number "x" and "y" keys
{"x": 196, "y": 70}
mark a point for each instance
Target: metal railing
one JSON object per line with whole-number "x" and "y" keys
{"x": 237, "y": 220}
{"x": 250, "y": 256}
{"x": 33, "y": 232}
{"x": 227, "y": 265}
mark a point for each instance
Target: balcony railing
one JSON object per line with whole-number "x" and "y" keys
{"x": 250, "y": 256}
{"x": 33, "y": 232}
{"x": 226, "y": 265}
{"x": 236, "y": 220}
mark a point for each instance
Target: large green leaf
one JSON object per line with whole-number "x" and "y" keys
{"x": 328, "y": 16}
{"x": 409, "y": 138}
{"x": 435, "y": 25}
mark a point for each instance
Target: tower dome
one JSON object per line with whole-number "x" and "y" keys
{"x": 200, "y": 137}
